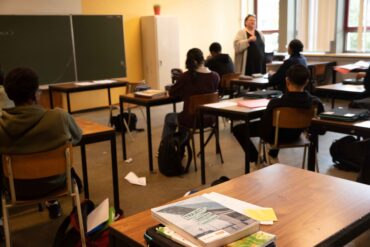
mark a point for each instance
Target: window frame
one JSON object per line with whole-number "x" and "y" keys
{"x": 347, "y": 29}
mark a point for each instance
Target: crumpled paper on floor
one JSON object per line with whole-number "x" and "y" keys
{"x": 134, "y": 179}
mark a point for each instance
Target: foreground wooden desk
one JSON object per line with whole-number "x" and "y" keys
{"x": 93, "y": 132}
{"x": 147, "y": 102}
{"x": 312, "y": 209}
{"x": 340, "y": 91}
{"x": 233, "y": 112}
{"x": 318, "y": 126}
{"x": 72, "y": 87}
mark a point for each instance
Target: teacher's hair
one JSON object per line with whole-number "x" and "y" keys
{"x": 249, "y": 16}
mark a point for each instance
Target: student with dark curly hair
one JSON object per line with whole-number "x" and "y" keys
{"x": 294, "y": 49}
{"x": 198, "y": 79}
{"x": 30, "y": 128}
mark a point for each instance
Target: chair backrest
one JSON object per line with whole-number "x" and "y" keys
{"x": 54, "y": 162}
{"x": 201, "y": 99}
{"x": 175, "y": 73}
{"x": 292, "y": 118}
{"x": 226, "y": 78}
{"x": 319, "y": 72}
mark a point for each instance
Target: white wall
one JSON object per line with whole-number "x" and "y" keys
{"x": 38, "y": 7}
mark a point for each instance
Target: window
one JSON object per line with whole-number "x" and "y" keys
{"x": 357, "y": 26}
{"x": 268, "y": 22}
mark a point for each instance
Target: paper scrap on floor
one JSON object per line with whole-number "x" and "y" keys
{"x": 235, "y": 204}
{"x": 134, "y": 179}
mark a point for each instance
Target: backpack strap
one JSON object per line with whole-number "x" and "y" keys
{"x": 62, "y": 232}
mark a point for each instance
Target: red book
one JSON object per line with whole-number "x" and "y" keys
{"x": 253, "y": 103}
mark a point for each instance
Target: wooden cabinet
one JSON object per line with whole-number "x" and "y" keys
{"x": 160, "y": 49}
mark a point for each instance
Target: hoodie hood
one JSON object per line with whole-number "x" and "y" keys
{"x": 19, "y": 120}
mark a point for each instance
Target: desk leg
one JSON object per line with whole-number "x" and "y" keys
{"x": 115, "y": 173}
{"x": 121, "y": 110}
{"x": 202, "y": 157}
{"x": 84, "y": 170}
{"x": 149, "y": 129}
{"x": 51, "y": 98}
{"x": 68, "y": 103}
{"x": 312, "y": 151}
{"x": 246, "y": 157}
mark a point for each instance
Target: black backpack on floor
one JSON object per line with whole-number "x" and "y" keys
{"x": 131, "y": 120}
{"x": 348, "y": 153}
{"x": 171, "y": 153}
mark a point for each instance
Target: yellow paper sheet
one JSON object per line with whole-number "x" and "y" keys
{"x": 261, "y": 214}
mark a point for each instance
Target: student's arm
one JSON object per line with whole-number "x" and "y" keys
{"x": 74, "y": 129}
{"x": 278, "y": 78}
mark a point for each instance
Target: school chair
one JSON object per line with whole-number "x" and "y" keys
{"x": 225, "y": 87}
{"x": 175, "y": 73}
{"x": 36, "y": 166}
{"x": 131, "y": 89}
{"x": 210, "y": 124}
{"x": 289, "y": 118}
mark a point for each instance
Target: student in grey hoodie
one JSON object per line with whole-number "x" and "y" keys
{"x": 28, "y": 128}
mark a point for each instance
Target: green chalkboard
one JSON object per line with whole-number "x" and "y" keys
{"x": 99, "y": 46}
{"x": 43, "y": 43}
{"x": 64, "y": 48}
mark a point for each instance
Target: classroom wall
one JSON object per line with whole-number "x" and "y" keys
{"x": 39, "y": 7}
{"x": 200, "y": 23}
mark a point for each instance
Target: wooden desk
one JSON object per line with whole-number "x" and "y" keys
{"x": 72, "y": 87}
{"x": 340, "y": 91}
{"x": 312, "y": 209}
{"x": 359, "y": 128}
{"x": 93, "y": 132}
{"x": 233, "y": 112}
{"x": 147, "y": 102}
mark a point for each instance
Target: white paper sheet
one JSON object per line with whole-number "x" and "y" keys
{"x": 104, "y": 81}
{"x": 98, "y": 216}
{"x": 134, "y": 179}
{"x": 222, "y": 104}
{"x": 83, "y": 83}
{"x": 234, "y": 204}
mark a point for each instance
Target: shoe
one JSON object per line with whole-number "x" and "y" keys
{"x": 54, "y": 208}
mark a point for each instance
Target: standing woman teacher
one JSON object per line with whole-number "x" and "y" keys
{"x": 249, "y": 45}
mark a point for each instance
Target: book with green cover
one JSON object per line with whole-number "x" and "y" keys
{"x": 258, "y": 239}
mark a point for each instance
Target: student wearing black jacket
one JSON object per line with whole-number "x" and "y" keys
{"x": 219, "y": 62}
{"x": 296, "y": 80}
{"x": 277, "y": 79}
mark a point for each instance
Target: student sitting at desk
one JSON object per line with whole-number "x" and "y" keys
{"x": 296, "y": 80}
{"x": 29, "y": 128}
{"x": 198, "y": 79}
{"x": 219, "y": 62}
{"x": 277, "y": 79}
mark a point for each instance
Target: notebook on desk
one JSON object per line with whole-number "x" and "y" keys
{"x": 353, "y": 81}
{"x": 345, "y": 114}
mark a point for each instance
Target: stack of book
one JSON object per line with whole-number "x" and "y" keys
{"x": 200, "y": 221}
{"x": 150, "y": 93}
